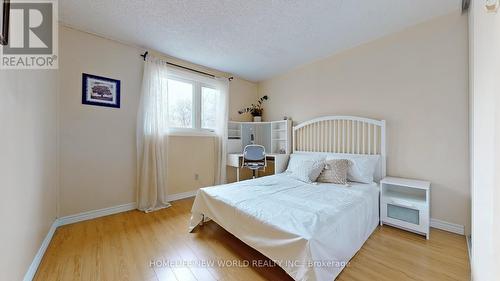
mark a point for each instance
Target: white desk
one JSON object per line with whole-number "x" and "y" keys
{"x": 280, "y": 162}
{"x": 275, "y": 136}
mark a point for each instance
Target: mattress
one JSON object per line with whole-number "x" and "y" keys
{"x": 311, "y": 230}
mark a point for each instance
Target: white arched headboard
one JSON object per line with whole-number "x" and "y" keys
{"x": 342, "y": 134}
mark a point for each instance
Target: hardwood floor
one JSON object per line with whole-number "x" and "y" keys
{"x": 123, "y": 246}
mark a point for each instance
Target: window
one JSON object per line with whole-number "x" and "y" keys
{"x": 180, "y": 104}
{"x": 208, "y": 107}
{"x": 192, "y": 104}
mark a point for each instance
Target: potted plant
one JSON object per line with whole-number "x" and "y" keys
{"x": 255, "y": 109}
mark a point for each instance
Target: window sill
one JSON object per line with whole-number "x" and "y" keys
{"x": 179, "y": 132}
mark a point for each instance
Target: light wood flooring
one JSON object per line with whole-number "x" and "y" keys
{"x": 122, "y": 247}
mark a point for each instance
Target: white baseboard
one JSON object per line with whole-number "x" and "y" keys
{"x": 184, "y": 195}
{"x": 115, "y": 210}
{"x": 83, "y": 217}
{"x": 448, "y": 226}
{"x": 468, "y": 238}
{"x": 30, "y": 274}
{"x": 96, "y": 214}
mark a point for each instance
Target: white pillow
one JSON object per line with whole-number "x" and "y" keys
{"x": 362, "y": 167}
{"x": 306, "y": 168}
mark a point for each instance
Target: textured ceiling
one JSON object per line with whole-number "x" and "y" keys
{"x": 254, "y": 39}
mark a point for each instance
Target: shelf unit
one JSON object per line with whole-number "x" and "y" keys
{"x": 280, "y": 137}
{"x": 234, "y": 131}
{"x": 275, "y": 136}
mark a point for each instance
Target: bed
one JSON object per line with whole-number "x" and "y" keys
{"x": 311, "y": 230}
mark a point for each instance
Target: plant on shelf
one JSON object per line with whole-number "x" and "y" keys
{"x": 255, "y": 109}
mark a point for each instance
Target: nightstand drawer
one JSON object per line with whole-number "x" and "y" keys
{"x": 407, "y": 215}
{"x": 403, "y": 214}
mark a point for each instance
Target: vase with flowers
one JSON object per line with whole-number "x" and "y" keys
{"x": 255, "y": 109}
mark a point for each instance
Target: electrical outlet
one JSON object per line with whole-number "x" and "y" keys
{"x": 196, "y": 177}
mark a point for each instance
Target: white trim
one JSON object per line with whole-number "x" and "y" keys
{"x": 260, "y": 122}
{"x": 448, "y": 226}
{"x": 190, "y": 132}
{"x": 197, "y": 82}
{"x": 30, "y": 274}
{"x": 115, "y": 210}
{"x": 380, "y": 123}
{"x": 383, "y": 148}
{"x": 469, "y": 245}
{"x": 96, "y": 214}
{"x": 183, "y": 195}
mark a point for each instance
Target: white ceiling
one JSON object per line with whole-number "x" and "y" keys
{"x": 254, "y": 39}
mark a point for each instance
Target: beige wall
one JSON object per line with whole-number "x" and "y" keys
{"x": 97, "y": 147}
{"x": 28, "y": 166}
{"x": 485, "y": 69}
{"x": 243, "y": 94}
{"x": 189, "y": 156}
{"x": 417, "y": 81}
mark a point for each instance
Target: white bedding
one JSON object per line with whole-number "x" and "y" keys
{"x": 310, "y": 230}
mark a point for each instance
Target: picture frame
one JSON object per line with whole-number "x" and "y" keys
{"x": 4, "y": 22}
{"x": 100, "y": 91}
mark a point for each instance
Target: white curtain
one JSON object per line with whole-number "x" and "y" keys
{"x": 221, "y": 130}
{"x": 152, "y": 141}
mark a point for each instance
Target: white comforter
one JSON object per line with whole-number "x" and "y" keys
{"x": 310, "y": 230}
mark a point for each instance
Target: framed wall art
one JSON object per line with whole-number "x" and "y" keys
{"x": 100, "y": 91}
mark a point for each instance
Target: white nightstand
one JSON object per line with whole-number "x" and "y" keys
{"x": 405, "y": 204}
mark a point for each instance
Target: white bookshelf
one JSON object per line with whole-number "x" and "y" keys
{"x": 280, "y": 137}
{"x": 275, "y": 136}
{"x": 234, "y": 131}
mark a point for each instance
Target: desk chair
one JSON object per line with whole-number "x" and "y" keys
{"x": 254, "y": 158}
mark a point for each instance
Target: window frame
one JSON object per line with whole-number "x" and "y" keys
{"x": 208, "y": 86}
{"x": 196, "y": 129}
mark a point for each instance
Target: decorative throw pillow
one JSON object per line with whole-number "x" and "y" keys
{"x": 335, "y": 171}
{"x": 305, "y": 168}
{"x": 362, "y": 167}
